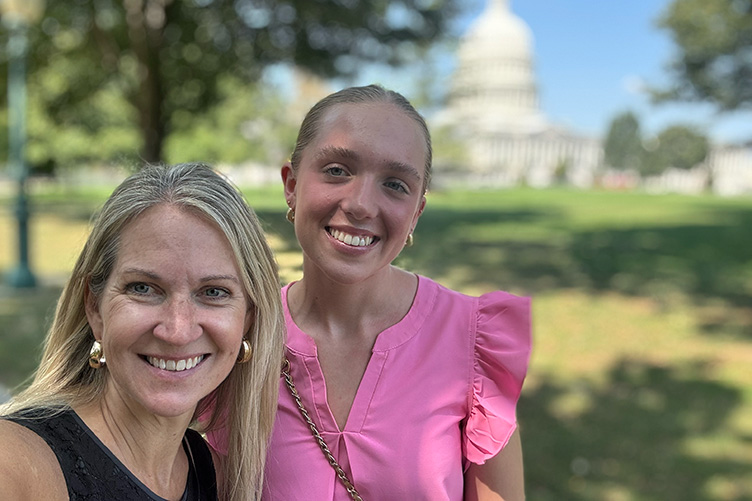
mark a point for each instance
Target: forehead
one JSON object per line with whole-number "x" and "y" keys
{"x": 166, "y": 230}
{"x": 374, "y": 128}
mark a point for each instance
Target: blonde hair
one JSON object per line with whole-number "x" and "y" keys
{"x": 368, "y": 94}
{"x": 245, "y": 403}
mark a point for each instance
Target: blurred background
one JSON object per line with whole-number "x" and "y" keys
{"x": 596, "y": 156}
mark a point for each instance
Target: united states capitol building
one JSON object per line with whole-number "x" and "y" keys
{"x": 493, "y": 110}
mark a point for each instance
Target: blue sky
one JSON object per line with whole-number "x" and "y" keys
{"x": 590, "y": 59}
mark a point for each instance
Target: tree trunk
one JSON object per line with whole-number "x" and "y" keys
{"x": 146, "y": 20}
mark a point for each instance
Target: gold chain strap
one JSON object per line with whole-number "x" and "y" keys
{"x": 319, "y": 439}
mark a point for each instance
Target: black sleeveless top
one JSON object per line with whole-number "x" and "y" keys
{"x": 92, "y": 472}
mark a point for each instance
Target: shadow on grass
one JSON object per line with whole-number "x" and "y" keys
{"x": 709, "y": 263}
{"x": 628, "y": 438}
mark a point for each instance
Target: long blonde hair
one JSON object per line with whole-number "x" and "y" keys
{"x": 246, "y": 401}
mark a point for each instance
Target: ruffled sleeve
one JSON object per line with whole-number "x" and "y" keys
{"x": 502, "y": 353}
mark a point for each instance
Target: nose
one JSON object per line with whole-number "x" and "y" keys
{"x": 360, "y": 201}
{"x": 179, "y": 323}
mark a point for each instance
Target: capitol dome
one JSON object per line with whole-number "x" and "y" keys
{"x": 494, "y": 84}
{"x": 493, "y": 112}
{"x": 498, "y": 34}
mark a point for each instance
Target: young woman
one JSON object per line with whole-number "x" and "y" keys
{"x": 412, "y": 387}
{"x": 172, "y": 309}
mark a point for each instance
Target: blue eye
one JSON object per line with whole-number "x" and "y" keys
{"x": 140, "y": 288}
{"x": 397, "y": 186}
{"x": 216, "y": 292}
{"x": 335, "y": 171}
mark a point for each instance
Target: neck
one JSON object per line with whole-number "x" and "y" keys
{"x": 149, "y": 446}
{"x": 364, "y": 309}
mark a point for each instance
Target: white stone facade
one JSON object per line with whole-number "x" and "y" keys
{"x": 731, "y": 170}
{"x": 493, "y": 109}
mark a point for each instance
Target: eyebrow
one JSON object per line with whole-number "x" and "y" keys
{"x": 140, "y": 271}
{"x": 338, "y": 151}
{"x": 155, "y": 276}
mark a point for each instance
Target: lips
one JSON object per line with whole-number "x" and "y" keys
{"x": 353, "y": 240}
{"x": 175, "y": 365}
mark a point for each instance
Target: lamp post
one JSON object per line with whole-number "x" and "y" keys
{"x": 16, "y": 16}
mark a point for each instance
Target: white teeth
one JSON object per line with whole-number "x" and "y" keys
{"x": 353, "y": 240}
{"x": 175, "y": 365}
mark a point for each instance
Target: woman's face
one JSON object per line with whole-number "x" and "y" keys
{"x": 172, "y": 314}
{"x": 358, "y": 191}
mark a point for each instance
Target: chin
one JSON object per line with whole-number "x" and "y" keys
{"x": 174, "y": 409}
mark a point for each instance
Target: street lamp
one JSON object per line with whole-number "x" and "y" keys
{"x": 16, "y": 17}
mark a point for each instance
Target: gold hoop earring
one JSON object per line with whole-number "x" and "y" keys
{"x": 290, "y": 215}
{"x": 246, "y": 352}
{"x": 96, "y": 355}
{"x": 410, "y": 240}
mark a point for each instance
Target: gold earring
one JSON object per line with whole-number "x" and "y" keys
{"x": 290, "y": 215}
{"x": 245, "y": 352}
{"x": 96, "y": 355}
{"x": 409, "y": 242}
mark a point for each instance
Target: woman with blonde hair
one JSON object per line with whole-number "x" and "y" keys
{"x": 172, "y": 310}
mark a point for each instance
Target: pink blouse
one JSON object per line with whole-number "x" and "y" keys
{"x": 440, "y": 390}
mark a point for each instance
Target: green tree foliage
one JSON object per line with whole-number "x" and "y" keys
{"x": 244, "y": 124}
{"x": 714, "y": 61}
{"x": 159, "y": 60}
{"x": 678, "y": 146}
{"x": 623, "y": 144}
{"x": 101, "y": 128}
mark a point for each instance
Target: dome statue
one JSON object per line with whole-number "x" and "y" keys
{"x": 493, "y": 111}
{"x": 494, "y": 86}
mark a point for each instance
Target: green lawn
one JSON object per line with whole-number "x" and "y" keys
{"x": 640, "y": 385}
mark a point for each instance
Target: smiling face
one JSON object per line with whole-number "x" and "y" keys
{"x": 172, "y": 314}
{"x": 358, "y": 191}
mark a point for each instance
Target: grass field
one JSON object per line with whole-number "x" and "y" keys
{"x": 640, "y": 385}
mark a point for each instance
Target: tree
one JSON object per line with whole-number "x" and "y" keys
{"x": 714, "y": 61}
{"x": 678, "y": 146}
{"x": 166, "y": 56}
{"x": 245, "y": 124}
{"x": 623, "y": 145}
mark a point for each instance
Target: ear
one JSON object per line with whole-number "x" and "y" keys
{"x": 289, "y": 181}
{"x": 421, "y": 206}
{"x": 250, "y": 318}
{"x": 92, "y": 314}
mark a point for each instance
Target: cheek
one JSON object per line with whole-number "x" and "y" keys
{"x": 118, "y": 317}
{"x": 231, "y": 329}
{"x": 406, "y": 216}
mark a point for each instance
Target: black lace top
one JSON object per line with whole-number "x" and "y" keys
{"x": 92, "y": 472}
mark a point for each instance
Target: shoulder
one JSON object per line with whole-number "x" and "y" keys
{"x": 486, "y": 303}
{"x": 28, "y": 466}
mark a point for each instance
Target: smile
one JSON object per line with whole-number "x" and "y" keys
{"x": 175, "y": 365}
{"x": 348, "y": 239}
